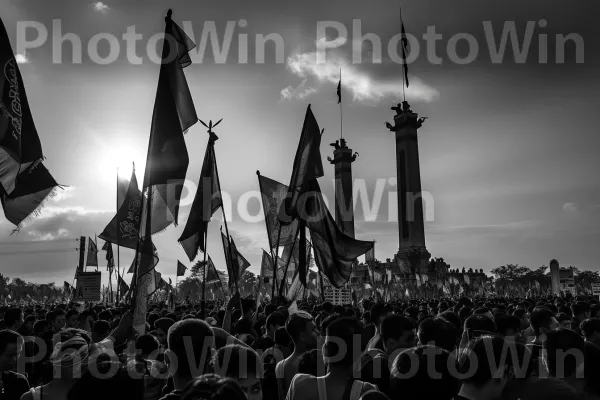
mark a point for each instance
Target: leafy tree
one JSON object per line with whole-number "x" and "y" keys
{"x": 586, "y": 278}
{"x": 510, "y": 273}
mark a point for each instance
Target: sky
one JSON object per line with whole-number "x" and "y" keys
{"x": 508, "y": 152}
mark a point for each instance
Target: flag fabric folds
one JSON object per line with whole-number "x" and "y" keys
{"x": 206, "y": 202}
{"x": 236, "y": 264}
{"x": 110, "y": 258}
{"x": 266, "y": 265}
{"x": 174, "y": 114}
{"x": 307, "y": 166}
{"x": 181, "y": 269}
{"x": 34, "y": 186}
{"x": 273, "y": 194}
{"x": 123, "y": 287}
{"x": 20, "y": 145}
{"x": 339, "y": 89}
{"x": 370, "y": 255}
{"x": 404, "y": 44}
{"x": 92, "y": 254}
{"x": 333, "y": 250}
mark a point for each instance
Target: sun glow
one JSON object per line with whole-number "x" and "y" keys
{"x": 119, "y": 159}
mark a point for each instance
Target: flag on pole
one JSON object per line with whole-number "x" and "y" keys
{"x": 20, "y": 145}
{"x": 211, "y": 273}
{"x": 173, "y": 115}
{"x": 206, "y": 202}
{"x": 273, "y": 193}
{"x": 123, "y": 287}
{"x": 339, "y": 89}
{"x": 180, "y": 268}
{"x": 404, "y": 44}
{"x": 92, "y": 254}
{"x": 307, "y": 166}
{"x": 110, "y": 258}
{"x": 266, "y": 267}
{"x": 235, "y": 267}
{"x": 370, "y": 255}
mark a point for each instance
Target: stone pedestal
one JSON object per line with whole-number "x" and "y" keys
{"x": 342, "y": 160}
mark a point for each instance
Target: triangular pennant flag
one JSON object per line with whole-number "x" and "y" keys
{"x": 273, "y": 193}
{"x": 110, "y": 258}
{"x": 180, "y": 269}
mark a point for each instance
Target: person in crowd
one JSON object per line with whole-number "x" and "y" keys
{"x": 303, "y": 331}
{"x": 243, "y": 365}
{"x": 107, "y": 380}
{"x": 100, "y": 330}
{"x": 69, "y": 360}
{"x": 542, "y": 321}
{"x": 13, "y": 384}
{"x": 438, "y": 332}
{"x": 563, "y": 357}
{"x": 161, "y": 328}
{"x": 14, "y": 319}
{"x": 378, "y": 312}
{"x": 483, "y": 377}
{"x": 72, "y": 319}
{"x": 273, "y": 322}
{"x": 591, "y": 331}
{"x": 411, "y": 377}
{"x": 477, "y": 325}
{"x": 509, "y": 327}
{"x": 581, "y": 312}
{"x": 340, "y": 355}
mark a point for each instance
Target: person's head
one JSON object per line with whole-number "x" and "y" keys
{"x": 243, "y": 365}
{"x": 591, "y": 330}
{"x": 248, "y": 307}
{"x": 58, "y": 319}
{"x": 397, "y": 333}
{"x": 580, "y": 310}
{"x": 284, "y": 342}
{"x": 274, "y": 321}
{"x": 542, "y": 321}
{"x": 479, "y": 324}
{"x": 378, "y": 312}
{"x": 509, "y": 327}
{"x": 564, "y": 353}
{"x": 11, "y": 344}
{"x": 190, "y": 342}
{"x": 564, "y": 321}
{"x": 339, "y": 350}
{"x": 213, "y": 387}
{"x": 484, "y": 311}
{"x": 69, "y": 358}
{"x": 416, "y": 364}
{"x": 28, "y": 324}
{"x": 478, "y": 363}
{"x": 146, "y": 345}
{"x": 437, "y": 332}
{"x": 100, "y": 330}
{"x": 13, "y": 318}
{"x": 72, "y": 319}
{"x": 302, "y": 329}
{"x": 161, "y": 327}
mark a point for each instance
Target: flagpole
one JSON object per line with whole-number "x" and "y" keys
{"x": 118, "y": 247}
{"x": 204, "y": 271}
{"x": 275, "y": 264}
{"x": 288, "y": 263}
{"x": 212, "y": 143}
{"x": 404, "y": 59}
{"x": 341, "y": 115}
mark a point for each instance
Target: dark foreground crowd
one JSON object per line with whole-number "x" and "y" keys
{"x": 460, "y": 348}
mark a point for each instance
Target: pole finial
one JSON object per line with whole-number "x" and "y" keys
{"x": 169, "y": 13}
{"x": 258, "y": 172}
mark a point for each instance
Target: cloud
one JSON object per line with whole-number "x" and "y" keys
{"x": 298, "y": 93}
{"x": 101, "y": 7}
{"x": 363, "y": 87}
{"x": 22, "y": 58}
{"x": 570, "y": 208}
{"x": 506, "y": 229}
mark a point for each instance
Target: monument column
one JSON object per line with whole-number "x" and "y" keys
{"x": 411, "y": 227}
{"x": 344, "y": 205}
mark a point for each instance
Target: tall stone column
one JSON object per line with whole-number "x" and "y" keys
{"x": 411, "y": 227}
{"x": 344, "y": 205}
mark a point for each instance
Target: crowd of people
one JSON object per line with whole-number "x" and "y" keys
{"x": 454, "y": 348}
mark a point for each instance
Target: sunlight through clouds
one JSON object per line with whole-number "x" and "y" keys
{"x": 101, "y": 7}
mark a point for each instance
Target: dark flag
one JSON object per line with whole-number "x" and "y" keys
{"x": 123, "y": 287}
{"x": 124, "y": 228}
{"x": 339, "y": 89}
{"x": 34, "y": 186}
{"x": 92, "y": 254}
{"x": 180, "y": 269}
{"x": 110, "y": 258}
{"x": 211, "y": 272}
{"x": 174, "y": 114}
{"x": 307, "y": 166}
{"x": 235, "y": 267}
{"x": 334, "y": 251}
{"x": 404, "y": 43}
{"x": 266, "y": 266}
{"x": 273, "y": 194}
{"x": 370, "y": 255}
{"x": 206, "y": 202}
{"x": 20, "y": 145}
{"x": 67, "y": 287}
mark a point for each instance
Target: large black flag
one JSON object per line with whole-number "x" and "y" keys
{"x": 20, "y": 144}
{"x": 206, "y": 202}
{"x": 334, "y": 251}
{"x": 307, "y": 166}
{"x": 273, "y": 194}
{"x": 174, "y": 114}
